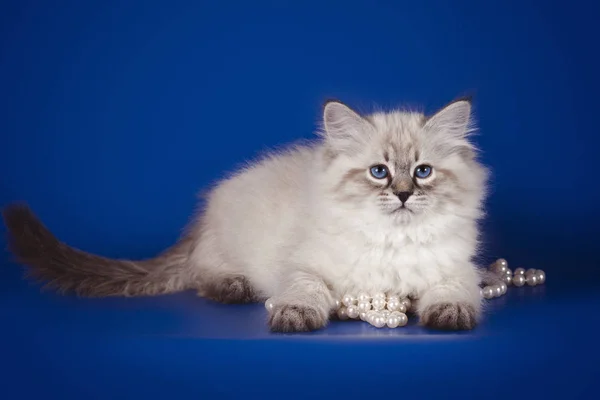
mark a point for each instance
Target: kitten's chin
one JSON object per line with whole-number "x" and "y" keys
{"x": 402, "y": 215}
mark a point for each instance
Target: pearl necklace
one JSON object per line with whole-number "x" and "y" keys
{"x": 378, "y": 310}
{"x": 382, "y": 309}
{"x": 519, "y": 278}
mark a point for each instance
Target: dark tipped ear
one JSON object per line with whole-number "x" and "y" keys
{"x": 344, "y": 128}
{"x": 452, "y": 120}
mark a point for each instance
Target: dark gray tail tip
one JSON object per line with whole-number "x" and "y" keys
{"x": 16, "y": 215}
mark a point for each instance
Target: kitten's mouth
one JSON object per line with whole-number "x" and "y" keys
{"x": 400, "y": 209}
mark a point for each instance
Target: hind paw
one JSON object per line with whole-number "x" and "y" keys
{"x": 230, "y": 290}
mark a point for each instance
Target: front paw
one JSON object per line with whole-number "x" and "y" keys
{"x": 450, "y": 316}
{"x": 293, "y": 318}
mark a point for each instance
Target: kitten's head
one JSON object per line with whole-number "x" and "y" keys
{"x": 404, "y": 165}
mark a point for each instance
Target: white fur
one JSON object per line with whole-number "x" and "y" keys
{"x": 280, "y": 222}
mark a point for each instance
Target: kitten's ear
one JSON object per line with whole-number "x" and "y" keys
{"x": 344, "y": 128}
{"x": 451, "y": 127}
{"x": 452, "y": 120}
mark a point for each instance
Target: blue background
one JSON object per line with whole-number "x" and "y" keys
{"x": 113, "y": 114}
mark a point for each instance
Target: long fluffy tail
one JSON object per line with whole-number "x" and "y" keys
{"x": 67, "y": 269}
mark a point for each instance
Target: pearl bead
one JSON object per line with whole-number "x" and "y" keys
{"x": 497, "y": 290}
{"x": 532, "y": 279}
{"x": 403, "y": 319}
{"x": 508, "y": 279}
{"x": 502, "y": 262}
{"x": 407, "y": 303}
{"x": 393, "y": 321}
{"x": 499, "y": 267}
{"x": 541, "y": 275}
{"x": 378, "y": 303}
{"x": 362, "y": 296}
{"x": 503, "y": 287}
{"x": 509, "y": 271}
{"x": 520, "y": 271}
{"x": 352, "y": 311}
{"x": 370, "y": 318}
{"x": 393, "y": 304}
{"x": 488, "y": 292}
{"x": 269, "y": 305}
{"x": 393, "y": 298}
{"x": 347, "y": 300}
{"x": 342, "y": 313}
{"x": 379, "y": 295}
{"x": 371, "y": 315}
{"x": 530, "y": 271}
{"x": 364, "y": 306}
{"x": 379, "y": 321}
{"x": 363, "y": 316}
{"x": 519, "y": 280}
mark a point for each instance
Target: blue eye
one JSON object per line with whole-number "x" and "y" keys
{"x": 379, "y": 171}
{"x": 423, "y": 171}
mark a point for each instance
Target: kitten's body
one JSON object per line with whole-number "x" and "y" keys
{"x": 308, "y": 224}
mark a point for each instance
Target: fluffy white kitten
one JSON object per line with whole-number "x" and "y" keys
{"x": 384, "y": 202}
